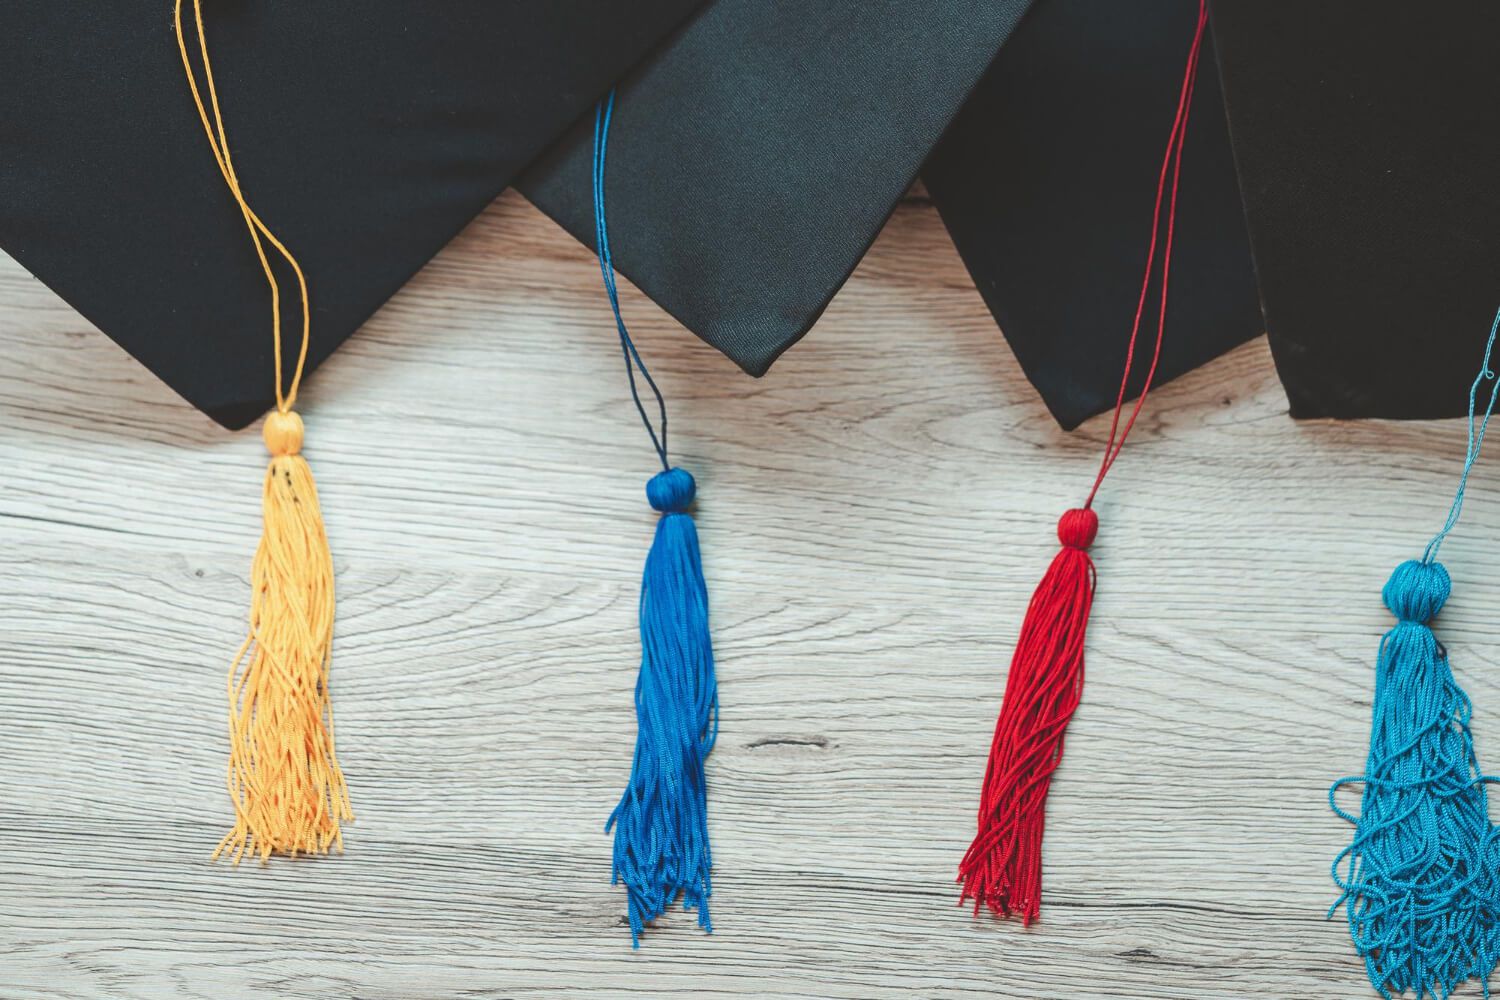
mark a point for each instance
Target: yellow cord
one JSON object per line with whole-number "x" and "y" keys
{"x": 219, "y": 143}
{"x": 283, "y": 775}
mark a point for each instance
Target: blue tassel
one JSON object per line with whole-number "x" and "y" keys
{"x": 1421, "y": 880}
{"x": 1419, "y": 885}
{"x": 661, "y": 824}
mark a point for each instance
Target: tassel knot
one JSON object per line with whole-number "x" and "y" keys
{"x": 1417, "y": 591}
{"x": 672, "y": 491}
{"x": 1076, "y": 529}
{"x": 283, "y": 433}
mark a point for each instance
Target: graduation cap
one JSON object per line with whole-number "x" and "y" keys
{"x": 368, "y": 132}
{"x": 1367, "y": 164}
{"x": 758, "y": 153}
{"x": 1044, "y": 181}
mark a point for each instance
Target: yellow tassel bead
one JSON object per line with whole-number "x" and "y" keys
{"x": 284, "y": 777}
{"x": 283, "y": 433}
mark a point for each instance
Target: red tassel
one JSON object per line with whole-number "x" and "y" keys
{"x": 1003, "y": 867}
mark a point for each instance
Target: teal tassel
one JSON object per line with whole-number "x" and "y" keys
{"x": 1419, "y": 886}
{"x": 1420, "y": 881}
{"x": 661, "y": 824}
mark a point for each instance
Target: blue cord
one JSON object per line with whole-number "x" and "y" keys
{"x": 603, "y": 111}
{"x": 1476, "y": 441}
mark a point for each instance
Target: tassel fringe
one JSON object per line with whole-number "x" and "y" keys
{"x": 1003, "y": 867}
{"x": 1419, "y": 880}
{"x": 289, "y": 794}
{"x": 660, "y": 827}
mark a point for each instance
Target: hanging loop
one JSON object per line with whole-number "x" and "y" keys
{"x": 1171, "y": 171}
{"x": 603, "y": 112}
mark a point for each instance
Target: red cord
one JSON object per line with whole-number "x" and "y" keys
{"x": 1171, "y": 163}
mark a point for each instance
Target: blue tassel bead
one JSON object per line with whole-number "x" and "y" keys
{"x": 1418, "y": 881}
{"x": 661, "y": 849}
{"x": 672, "y": 491}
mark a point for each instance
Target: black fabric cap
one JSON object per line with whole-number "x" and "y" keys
{"x": 755, "y": 157}
{"x": 1046, "y": 182}
{"x": 366, "y": 134}
{"x": 1367, "y": 151}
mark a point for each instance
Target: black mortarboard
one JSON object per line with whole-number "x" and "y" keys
{"x": 755, "y": 157}
{"x": 1045, "y": 181}
{"x": 368, "y": 133}
{"x": 1367, "y": 164}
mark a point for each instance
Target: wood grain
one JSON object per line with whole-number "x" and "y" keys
{"x": 873, "y": 513}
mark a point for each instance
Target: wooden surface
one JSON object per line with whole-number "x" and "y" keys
{"x": 874, "y": 514}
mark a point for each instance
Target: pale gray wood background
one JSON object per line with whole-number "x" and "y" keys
{"x": 874, "y": 515}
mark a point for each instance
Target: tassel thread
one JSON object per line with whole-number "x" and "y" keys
{"x": 660, "y": 826}
{"x": 284, "y": 777}
{"x": 1003, "y": 866}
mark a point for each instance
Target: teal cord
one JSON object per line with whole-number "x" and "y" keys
{"x": 1476, "y": 441}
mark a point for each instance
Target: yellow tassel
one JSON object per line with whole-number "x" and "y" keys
{"x": 289, "y": 793}
{"x": 284, "y": 777}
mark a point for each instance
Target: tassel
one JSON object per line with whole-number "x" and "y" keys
{"x": 1420, "y": 881}
{"x": 661, "y": 824}
{"x": 284, "y": 777}
{"x": 1419, "y": 887}
{"x": 1003, "y": 866}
